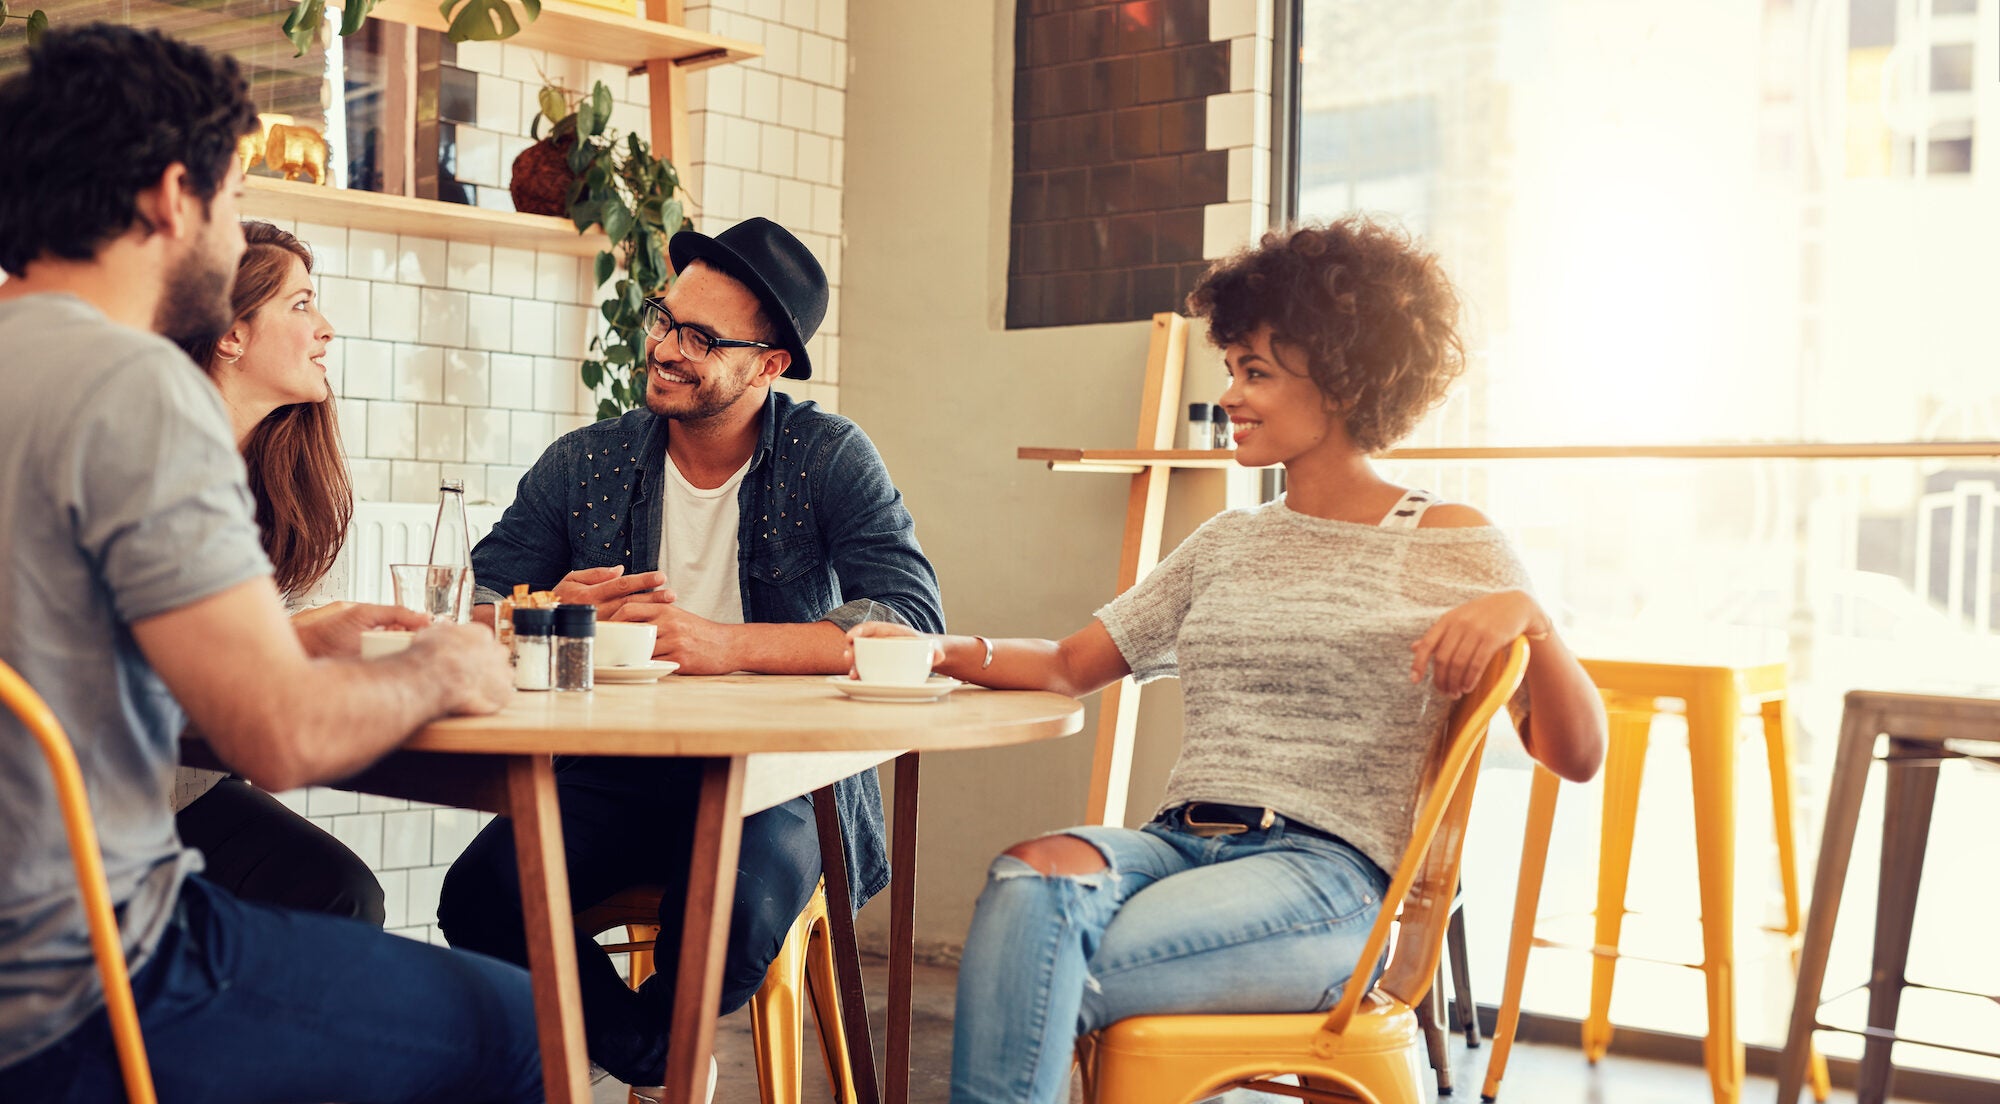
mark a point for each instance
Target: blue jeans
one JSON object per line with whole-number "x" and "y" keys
{"x": 244, "y": 1003}
{"x": 630, "y": 822}
{"x": 1263, "y": 921}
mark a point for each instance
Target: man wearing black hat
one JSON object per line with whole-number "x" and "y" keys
{"x": 754, "y": 531}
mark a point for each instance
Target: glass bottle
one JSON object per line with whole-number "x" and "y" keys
{"x": 451, "y": 541}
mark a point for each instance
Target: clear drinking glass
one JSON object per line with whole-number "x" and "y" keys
{"x": 438, "y": 591}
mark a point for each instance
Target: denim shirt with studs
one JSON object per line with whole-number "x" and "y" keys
{"x": 822, "y": 536}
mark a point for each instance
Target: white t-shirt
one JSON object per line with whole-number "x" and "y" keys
{"x": 698, "y": 545}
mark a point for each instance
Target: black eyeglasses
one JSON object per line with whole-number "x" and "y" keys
{"x": 693, "y": 342}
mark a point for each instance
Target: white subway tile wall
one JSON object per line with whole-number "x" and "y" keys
{"x": 458, "y": 360}
{"x": 1239, "y": 121}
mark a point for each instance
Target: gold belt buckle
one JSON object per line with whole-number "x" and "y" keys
{"x": 1207, "y": 828}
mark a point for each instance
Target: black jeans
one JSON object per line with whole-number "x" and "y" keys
{"x": 629, "y": 822}
{"x": 261, "y": 851}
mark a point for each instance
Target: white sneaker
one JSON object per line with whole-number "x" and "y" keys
{"x": 654, "y": 1094}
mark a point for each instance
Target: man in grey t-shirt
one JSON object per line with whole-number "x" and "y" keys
{"x": 135, "y": 598}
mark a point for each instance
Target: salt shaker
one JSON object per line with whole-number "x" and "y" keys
{"x": 1219, "y": 424}
{"x": 1197, "y": 434}
{"x": 574, "y": 641}
{"x": 534, "y": 662}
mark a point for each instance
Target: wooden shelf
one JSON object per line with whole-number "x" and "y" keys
{"x": 594, "y": 34}
{"x": 1130, "y": 461}
{"x": 265, "y": 197}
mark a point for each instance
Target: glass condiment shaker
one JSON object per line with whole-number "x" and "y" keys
{"x": 1219, "y": 424}
{"x": 574, "y": 642}
{"x": 1197, "y": 433}
{"x": 534, "y": 659}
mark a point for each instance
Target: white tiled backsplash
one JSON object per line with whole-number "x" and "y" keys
{"x": 457, "y": 360}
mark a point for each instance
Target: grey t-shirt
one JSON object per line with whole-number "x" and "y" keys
{"x": 122, "y": 497}
{"x": 1291, "y": 635}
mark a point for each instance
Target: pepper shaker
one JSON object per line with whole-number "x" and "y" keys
{"x": 575, "y": 641}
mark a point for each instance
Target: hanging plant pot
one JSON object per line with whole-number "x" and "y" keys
{"x": 542, "y": 177}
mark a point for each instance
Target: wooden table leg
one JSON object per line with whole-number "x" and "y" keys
{"x": 545, "y": 910}
{"x": 711, "y": 894}
{"x": 902, "y": 929}
{"x": 1906, "y": 828}
{"x": 846, "y": 956}
{"x": 1859, "y": 725}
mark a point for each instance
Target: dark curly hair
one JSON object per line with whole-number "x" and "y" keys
{"x": 97, "y": 117}
{"x": 1372, "y": 311}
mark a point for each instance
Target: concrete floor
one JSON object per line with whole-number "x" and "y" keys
{"x": 1536, "y": 1074}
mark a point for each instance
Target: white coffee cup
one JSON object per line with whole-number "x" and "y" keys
{"x": 624, "y": 643}
{"x": 901, "y": 660}
{"x": 376, "y": 643}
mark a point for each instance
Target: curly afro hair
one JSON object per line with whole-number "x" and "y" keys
{"x": 1371, "y": 310}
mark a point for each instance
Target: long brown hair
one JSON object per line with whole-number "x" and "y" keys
{"x": 298, "y": 470}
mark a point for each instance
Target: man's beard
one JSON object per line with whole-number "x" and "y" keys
{"x": 195, "y": 307}
{"x": 711, "y": 396}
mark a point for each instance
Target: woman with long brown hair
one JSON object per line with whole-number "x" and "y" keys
{"x": 270, "y": 366}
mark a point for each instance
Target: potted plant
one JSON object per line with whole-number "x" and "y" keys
{"x": 615, "y": 183}
{"x": 36, "y": 20}
{"x": 471, "y": 20}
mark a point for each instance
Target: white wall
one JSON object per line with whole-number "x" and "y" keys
{"x": 949, "y": 394}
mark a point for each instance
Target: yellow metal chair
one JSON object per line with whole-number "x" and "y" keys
{"x": 1714, "y": 697}
{"x": 804, "y": 969}
{"x": 1370, "y": 1046}
{"x": 83, "y": 851}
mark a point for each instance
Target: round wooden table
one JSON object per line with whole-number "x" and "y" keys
{"x": 760, "y": 740}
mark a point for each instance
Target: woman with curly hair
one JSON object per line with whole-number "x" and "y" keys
{"x": 1319, "y": 640}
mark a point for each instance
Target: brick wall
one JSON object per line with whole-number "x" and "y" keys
{"x": 1113, "y": 170}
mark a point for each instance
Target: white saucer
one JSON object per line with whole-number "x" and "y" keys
{"x": 933, "y": 689}
{"x": 638, "y": 672}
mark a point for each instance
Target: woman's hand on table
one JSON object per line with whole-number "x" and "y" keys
{"x": 1459, "y": 645}
{"x": 335, "y": 629}
{"x": 887, "y": 629}
{"x": 469, "y": 663}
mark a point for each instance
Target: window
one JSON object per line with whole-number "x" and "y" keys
{"x": 1680, "y": 222}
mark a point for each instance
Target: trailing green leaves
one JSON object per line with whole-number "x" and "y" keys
{"x": 37, "y": 22}
{"x": 474, "y": 20}
{"x": 621, "y": 187}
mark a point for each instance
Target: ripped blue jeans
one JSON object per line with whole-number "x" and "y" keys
{"x": 1263, "y": 921}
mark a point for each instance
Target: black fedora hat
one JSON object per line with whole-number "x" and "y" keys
{"x": 778, "y": 267}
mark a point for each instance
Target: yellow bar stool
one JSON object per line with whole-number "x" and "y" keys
{"x": 804, "y": 969}
{"x": 105, "y": 944}
{"x": 1715, "y": 698}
